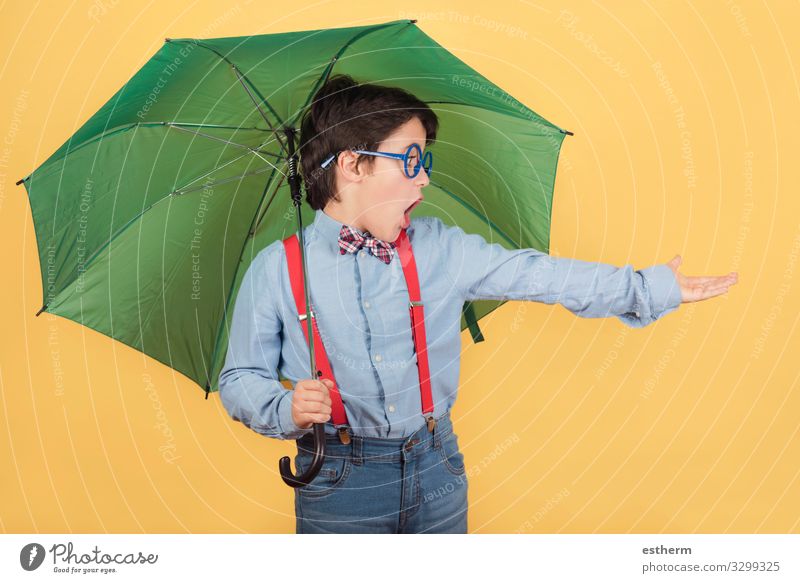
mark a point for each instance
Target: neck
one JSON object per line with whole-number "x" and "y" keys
{"x": 338, "y": 211}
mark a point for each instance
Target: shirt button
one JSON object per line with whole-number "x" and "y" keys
{"x": 391, "y": 408}
{"x": 378, "y": 358}
{"x": 362, "y": 253}
{"x": 366, "y": 304}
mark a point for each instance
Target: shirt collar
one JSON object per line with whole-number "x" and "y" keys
{"x": 327, "y": 229}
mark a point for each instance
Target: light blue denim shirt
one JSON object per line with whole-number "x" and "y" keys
{"x": 361, "y": 307}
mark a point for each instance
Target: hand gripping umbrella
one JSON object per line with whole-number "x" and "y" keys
{"x": 147, "y": 218}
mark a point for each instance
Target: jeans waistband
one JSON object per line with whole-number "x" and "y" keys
{"x": 381, "y": 449}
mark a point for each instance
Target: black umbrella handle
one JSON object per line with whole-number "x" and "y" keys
{"x": 316, "y": 464}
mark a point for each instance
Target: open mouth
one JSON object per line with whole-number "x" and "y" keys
{"x": 414, "y": 204}
{"x": 407, "y": 213}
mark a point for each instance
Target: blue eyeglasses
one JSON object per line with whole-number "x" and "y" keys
{"x": 413, "y": 159}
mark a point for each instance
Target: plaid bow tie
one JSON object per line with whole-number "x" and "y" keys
{"x": 351, "y": 240}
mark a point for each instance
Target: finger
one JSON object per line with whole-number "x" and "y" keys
{"x": 713, "y": 279}
{"x": 715, "y": 291}
{"x": 327, "y": 392}
{"x": 697, "y": 280}
{"x": 313, "y": 396}
{"x": 319, "y": 418}
{"x": 313, "y": 408}
{"x": 724, "y": 281}
{"x": 324, "y": 399}
{"x": 323, "y": 385}
{"x": 318, "y": 395}
{"x": 322, "y": 409}
{"x": 306, "y": 385}
{"x": 319, "y": 407}
{"x": 709, "y": 291}
{"x": 315, "y": 387}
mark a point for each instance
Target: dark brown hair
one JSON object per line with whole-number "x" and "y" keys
{"x": 347, "y": 115}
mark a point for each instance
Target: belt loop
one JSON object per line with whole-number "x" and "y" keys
{"x": 357, "y": 449}
{"x": 437, "y": 440}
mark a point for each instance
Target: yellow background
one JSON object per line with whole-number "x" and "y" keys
{"x": 686, "y": 137}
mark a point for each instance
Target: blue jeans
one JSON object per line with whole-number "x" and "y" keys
{"x": 415, "y": 484}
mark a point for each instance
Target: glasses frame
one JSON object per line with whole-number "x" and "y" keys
{"x": 425, "y": 162}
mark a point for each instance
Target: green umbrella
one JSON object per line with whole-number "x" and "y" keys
{"x": 148, "y": 217}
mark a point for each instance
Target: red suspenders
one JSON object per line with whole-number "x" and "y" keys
{"x": 406, "y": 256}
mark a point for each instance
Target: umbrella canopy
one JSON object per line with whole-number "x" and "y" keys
{"x": 148, "y": 217}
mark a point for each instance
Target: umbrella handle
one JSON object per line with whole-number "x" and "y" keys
{"x": 284, "y": 464}
{"x": 316, "y": 464}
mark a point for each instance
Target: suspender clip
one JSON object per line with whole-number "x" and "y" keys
{"x": 344, "y": 437}
{"x": 302, "y": 317}
{"x": 431, "y": 423}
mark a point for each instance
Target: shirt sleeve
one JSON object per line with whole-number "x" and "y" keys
{"x": 248, "y": 383}
{"x": 488, "y": 271}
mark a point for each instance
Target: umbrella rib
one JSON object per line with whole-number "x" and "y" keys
{"x": 324, "y": 77}
{"x": 124, "y": 227}
{"x": 216, "y": 139}
{"x": 228, "y": 163}
{"x": 260, "y": 216}
{"x": 241, "y": 77}
{"x": 220, "y": 181}
{"x": 182, "y": 189}
{"x": 129, "y": 126}
{"x": 212, "y": 125}
{"x": 119, "y": 231}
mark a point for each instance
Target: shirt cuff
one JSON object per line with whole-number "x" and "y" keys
{"x": 288, "y": 428}
{"x": 661, "y": 288}
{"x": 665, "y": 291}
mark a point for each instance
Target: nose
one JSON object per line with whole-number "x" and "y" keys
{"x": 422, "y": 178}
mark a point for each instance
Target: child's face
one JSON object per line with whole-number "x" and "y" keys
{"x": 378, "y": 201}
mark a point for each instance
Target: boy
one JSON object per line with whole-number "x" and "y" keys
{"x": 393, "y": 472}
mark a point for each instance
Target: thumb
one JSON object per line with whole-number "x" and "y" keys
{"x": 328, "y": 383}
{"x": 676, "y": 261}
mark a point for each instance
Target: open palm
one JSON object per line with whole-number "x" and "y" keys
{"x": 696, "y": 288}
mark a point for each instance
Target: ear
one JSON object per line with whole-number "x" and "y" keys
{"x": 346, "y": 162}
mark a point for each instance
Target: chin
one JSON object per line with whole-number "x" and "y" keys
{"x": 391, "y": 237}
{"x": 390, "y": 234}
{"x": 387, "y": 233}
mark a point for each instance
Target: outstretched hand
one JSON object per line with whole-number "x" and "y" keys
{"x": 694, "y": 289}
